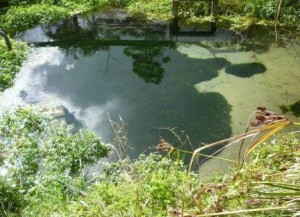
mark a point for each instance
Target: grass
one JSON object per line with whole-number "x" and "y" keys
{"x": 39, "y": 155}
{"x": 158, "y": 186}
{"x": 154, "y": 185}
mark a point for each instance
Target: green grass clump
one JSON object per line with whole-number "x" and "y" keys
{"x": 151, "y": 10}
{"x": 10, "y": 62}
{"x": 158, "y": 186}
{"x": 39, "y": 156}
{"x": 22, "y": 18}
{"x": 149, "y": 186}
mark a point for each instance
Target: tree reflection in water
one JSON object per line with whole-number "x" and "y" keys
{"x": 147, "y": 62}
{"x": 145, "y": 47}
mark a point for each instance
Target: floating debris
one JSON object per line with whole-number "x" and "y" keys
{"x": 264, "y": 117}
{"x": 164, "y": 146}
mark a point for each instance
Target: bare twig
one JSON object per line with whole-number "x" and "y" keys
{"x": 253, "y": 132}
{"x": 121, "y": 146}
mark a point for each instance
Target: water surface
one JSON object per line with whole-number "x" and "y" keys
{"x": 201, "y": 87}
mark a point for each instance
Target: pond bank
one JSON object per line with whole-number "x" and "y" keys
{"x": 267, "y": 185}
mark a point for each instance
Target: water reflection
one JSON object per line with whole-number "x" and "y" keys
{"x": 99, "y": 73}
{"x": 147, "y": 62}
{"x": 74, "y": 39}
{"x": 89, "y": 35}
{"x": 89, "y": 93}
{"x": 29, "y": 82}
{"x": 293, "y": 108}
{"x": 246, "y": 70}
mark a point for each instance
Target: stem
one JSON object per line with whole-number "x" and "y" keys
{"x": 219, "y": 142}
{"x": 277, "y": 19}
{"x": 6, "y": 39}
{"x": 243, "y": 211}
{"x": 295, "y": 123}
{"x": 206, "y": 155}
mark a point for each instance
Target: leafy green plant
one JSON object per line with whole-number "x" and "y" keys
{"x": 47, "y": 177}
{"x": 22, "y": 18}
{"x": 10, "y": 62}
{"x": 148, "y": 186}
{"x": 22, "y": 2}
{"x": 39, "y": 154}
{"x": 151, "y": 10}
{"x": 157, "y": 186}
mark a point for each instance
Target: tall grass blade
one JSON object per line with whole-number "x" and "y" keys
{"x": 279, "y": 194}
{"x": 297, "y": 124}
{"x": 265, "y": 137}
{"x": 274, "y": 125}
{"x": 281, "y": 185}
{"x": 243, "y": 211}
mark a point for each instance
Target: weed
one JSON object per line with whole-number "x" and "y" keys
{"x": 10, "y": 62}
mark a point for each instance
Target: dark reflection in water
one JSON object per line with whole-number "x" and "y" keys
{"x": 246, "y": 70}
{"x": 147, "y": 62}
{"x": 100, "y": 73}
{"x": 89, "y": 35}
{"x": 145, "y": 107}
{"x": 294, "y": 109}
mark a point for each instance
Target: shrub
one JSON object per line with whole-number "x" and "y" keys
{"x": 45, "y": 161}
{"x": 22, "y": 18}
{"x": 39, "y": 154}
{"x": 155, "y": 10}
{"x": 149, "y": 186}
{"x": 10, "y": 62}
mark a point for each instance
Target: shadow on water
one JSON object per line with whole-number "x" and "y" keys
{"x": 145, "y": 107}
{"x": 246, "y": 70}
{"x": 96, "y": 77}
{"x": 71, "y": 119}
{"x": 293, "y": 108}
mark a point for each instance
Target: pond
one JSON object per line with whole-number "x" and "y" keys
{"x": 200, "y": 87}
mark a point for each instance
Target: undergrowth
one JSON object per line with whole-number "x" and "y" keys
{"x": 42, "y": 174}
{"x": 151, "y": 10}
{"x": 10, "y": 62}
{"x": 27, "y": 14}
{"x": 22, "y": 18}
{"x": 39, "y": 157}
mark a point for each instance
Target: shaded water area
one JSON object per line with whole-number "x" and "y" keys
{"x": 108, "y": 65}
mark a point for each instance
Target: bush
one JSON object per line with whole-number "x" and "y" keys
{"x": 10, "y": 62}
{"x": 44, "y": 165}
{"x": 22, "y": 18}
{"x": 155, "y": 10}
{"x": 39, "y": 154}
{"x": 149, "y": 186}
{"x": 22, "y": 2}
